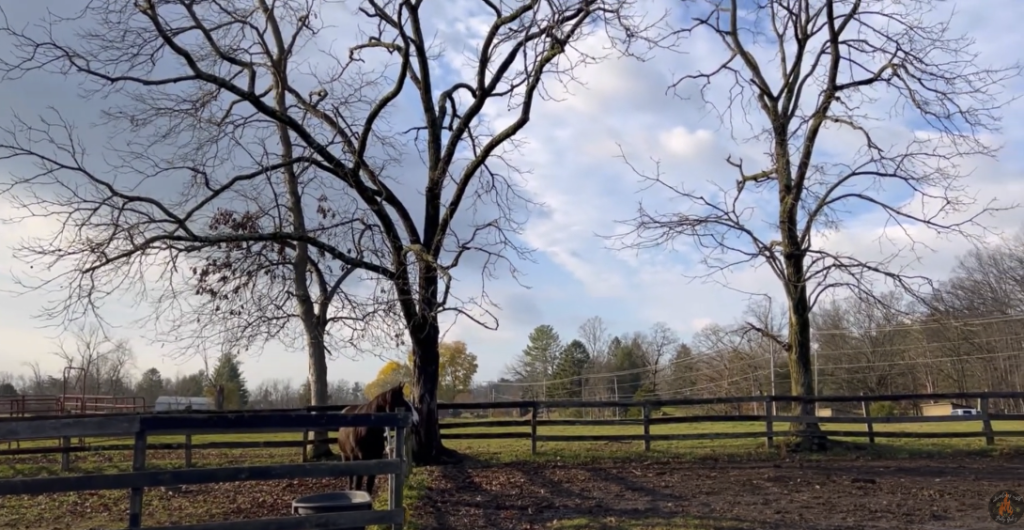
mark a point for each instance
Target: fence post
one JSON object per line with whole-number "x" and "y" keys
{"x": 868, "y": 424}
{"x": 769, "y": 412}
{"x": 188, "y": 441}
{"x": 305, "y": 445}
{"x": 647, "y": 426}
{"x": 138, "y": 464}
{"x": 65, "y": 454}
{"x": 533, "y": 429}
{"x": 188, "y": 451}
{"x": 397, "y": 480}
{"x": 986, "y": 423}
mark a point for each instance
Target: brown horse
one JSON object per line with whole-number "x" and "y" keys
{"x": 370, "y": 443}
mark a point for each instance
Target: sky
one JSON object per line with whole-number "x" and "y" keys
{"x": 573, "y": 150}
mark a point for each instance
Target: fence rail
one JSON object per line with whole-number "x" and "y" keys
{"x": 317, "y": 418}
{"x": 141, "y": 427}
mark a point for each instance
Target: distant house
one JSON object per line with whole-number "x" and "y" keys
{"x": 841, "y": 410}
{"x": 942, "y": 409}
{"x": 165, "y": 403}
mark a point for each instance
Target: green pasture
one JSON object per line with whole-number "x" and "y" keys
{"x": 506, "y": 450}
{"x": 517, "y": 449}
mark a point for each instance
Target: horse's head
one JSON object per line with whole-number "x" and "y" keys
{"x": 394, "y": 399}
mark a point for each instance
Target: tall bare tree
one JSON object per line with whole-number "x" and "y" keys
{"x": 100, "y": 365}
{"x": 796, "y": 70}
{"x": 660, "y": 343}
{"x": 593, "y": 332}
{"x": 221, "y": 102}
{"x": 867, "y": 339}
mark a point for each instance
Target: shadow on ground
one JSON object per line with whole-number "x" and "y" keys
{"x": 851, "y": 494}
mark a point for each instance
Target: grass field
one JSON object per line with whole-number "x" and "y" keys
{"x": 226, "y": 501}
{"x": 512, "y": 450}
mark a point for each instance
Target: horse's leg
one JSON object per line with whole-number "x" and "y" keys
{"x": 350, "y": 478}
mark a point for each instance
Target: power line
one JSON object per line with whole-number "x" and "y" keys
{"x": 703, "y": 356}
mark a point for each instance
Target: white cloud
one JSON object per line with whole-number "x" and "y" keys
{"x": 573, "y": 151}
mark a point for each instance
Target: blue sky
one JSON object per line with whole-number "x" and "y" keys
{"x": 584, "y": 187}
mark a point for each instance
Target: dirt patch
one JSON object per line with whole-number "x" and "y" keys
{"x": 835, "y": 495}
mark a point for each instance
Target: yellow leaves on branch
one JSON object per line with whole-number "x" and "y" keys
{"x": 390, "y": 375}
{"x": 458, "y": 367}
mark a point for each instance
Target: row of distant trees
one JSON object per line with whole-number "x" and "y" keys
{"x": 106, "y": 366}
{"x": 968, "y": 335}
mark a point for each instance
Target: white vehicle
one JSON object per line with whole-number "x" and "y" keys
{"x": 964, "y": 412}
{"x": 165, "y": 403}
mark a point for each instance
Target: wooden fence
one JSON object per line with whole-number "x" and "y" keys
{"x": 769, "y": 418}
{"x": 143, "y": 426}
{"x": 766, "y": 404}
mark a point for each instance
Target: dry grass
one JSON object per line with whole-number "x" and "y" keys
{"x": 221, "y": 502}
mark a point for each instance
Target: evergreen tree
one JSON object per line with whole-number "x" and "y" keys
{"x": 541, "y": 354}
{"x": 228, "y": 372}
{"x": 572, "y": 363}
{"x": 627, "y": 357}
{"x": 150, "y": 385}
{"x": 192, "y": 385}
{"x": 681, "y": 369}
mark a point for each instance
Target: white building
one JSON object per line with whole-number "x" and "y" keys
{"x": 164, "y": 403}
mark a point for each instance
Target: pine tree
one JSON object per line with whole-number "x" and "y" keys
{"x": 681, "y": 369}
{"x": 150, "y": 385}
{"x": 541, "y": 354}
{"x": 626, "y": 357}
{"x": 228, "y": 373}
{"x": 572, "y": 362}
{"x": 192, "y": 385}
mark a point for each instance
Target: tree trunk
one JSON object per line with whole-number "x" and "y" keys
{"x": 318, "y": 392}
{"x": 427, "y": 446}
{"x": 305, "y": 308}
{"x": 800, "y": 369}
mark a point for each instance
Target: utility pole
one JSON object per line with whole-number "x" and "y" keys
{"x": 816, "y": 380}
{"x": 815, "y": 371}
{"x": 616, "y": 382}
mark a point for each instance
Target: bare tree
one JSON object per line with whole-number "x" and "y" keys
{"x": 100, "y": 364}
{"x": 247, "y": 130}
{"x": 594, "y": 334}
{"x": 804, "y": 68}
{"x": 728, "y": 363}
{"x": 987, "y": 281}
{"x": 868, "y": 340}
{"x": 660, "y": 343}
{"x": 37, "y": 382}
